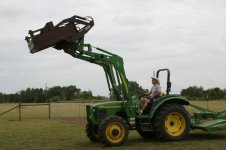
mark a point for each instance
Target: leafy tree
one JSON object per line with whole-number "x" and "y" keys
{"x": 69, "y": 92}
{"x": 193, "y": 92}
{"x": 54, "y": 91}
{"x": 134, "y": 87}
{"x": 1, "y": 97}
{"x": 65, "y": 93}
{"x": 224, "y": 90}
{"x": 214, "y": 93}
{"x": 84, "y": 95}
{"x": 38, "y": 95}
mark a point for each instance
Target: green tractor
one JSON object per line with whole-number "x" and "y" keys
{"x": 110, "y": 122}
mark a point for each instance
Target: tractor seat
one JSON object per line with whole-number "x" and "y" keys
{"x": 151, "y": 103}
{"x": 162, "y": 94}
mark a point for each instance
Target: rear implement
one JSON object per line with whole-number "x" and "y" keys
{"x": 208, "y": 120}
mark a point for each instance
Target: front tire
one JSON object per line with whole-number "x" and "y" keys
{"x": 114, "y": 131}
{"x": 171, "y": 123}
{"x": 92, "y": 132}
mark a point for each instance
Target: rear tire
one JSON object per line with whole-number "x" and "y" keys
{"x": 114, "y": 131}
{"x": 92, "y": 132}
{"x": 171, "y": 123}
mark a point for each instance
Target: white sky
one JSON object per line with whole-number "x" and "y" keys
{"x": 186, "y": 36}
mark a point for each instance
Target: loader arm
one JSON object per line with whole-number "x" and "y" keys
{"x": 112, "y": 65}
{"x": 68, "y": 35}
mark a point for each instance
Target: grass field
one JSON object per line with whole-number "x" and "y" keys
{"x": 67, "y": 130}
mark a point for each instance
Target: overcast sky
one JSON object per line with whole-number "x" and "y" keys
{"x": 186, "y": 36}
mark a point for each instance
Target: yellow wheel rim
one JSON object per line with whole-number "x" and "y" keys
{"x": 175, "y": 124}
{"x": 115, "y": 132}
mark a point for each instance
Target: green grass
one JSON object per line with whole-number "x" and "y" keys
{"x": 67, "y": 131}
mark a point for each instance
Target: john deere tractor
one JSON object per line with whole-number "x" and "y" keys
{"x": 110, "y": 122}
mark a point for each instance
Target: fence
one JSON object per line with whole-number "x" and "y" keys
{"x": 42, "y": 111}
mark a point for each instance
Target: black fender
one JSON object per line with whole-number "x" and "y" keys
{"x": 165, "y": 100}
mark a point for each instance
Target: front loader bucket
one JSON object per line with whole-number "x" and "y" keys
{"x": 70, "y": 29}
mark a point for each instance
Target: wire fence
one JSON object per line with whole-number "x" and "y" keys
{"x": 13, "y": 111}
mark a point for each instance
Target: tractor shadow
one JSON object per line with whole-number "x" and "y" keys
{"x": 193, "y": 136}
{"x": 195, "y": 140}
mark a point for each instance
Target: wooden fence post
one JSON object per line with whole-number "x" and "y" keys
{"x": 20, "y": 111}
{"x": 49, "y": 110}
{"x": 79, "y": 110}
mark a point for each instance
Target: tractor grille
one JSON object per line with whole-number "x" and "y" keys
{"x": 101, "y": 114}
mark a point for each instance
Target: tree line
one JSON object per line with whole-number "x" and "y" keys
{"x": 53, "y": 94}
{"x": 199, "y": 93}
{"x": 72, "y": 93}
{"x": 58, "y": 93}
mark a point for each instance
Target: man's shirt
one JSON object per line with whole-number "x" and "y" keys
{"x": 154, "y": 90}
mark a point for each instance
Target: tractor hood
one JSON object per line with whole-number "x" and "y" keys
{"x": 111, "y": 104}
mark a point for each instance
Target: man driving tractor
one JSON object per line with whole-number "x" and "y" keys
{"x": 149, "y": 96}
